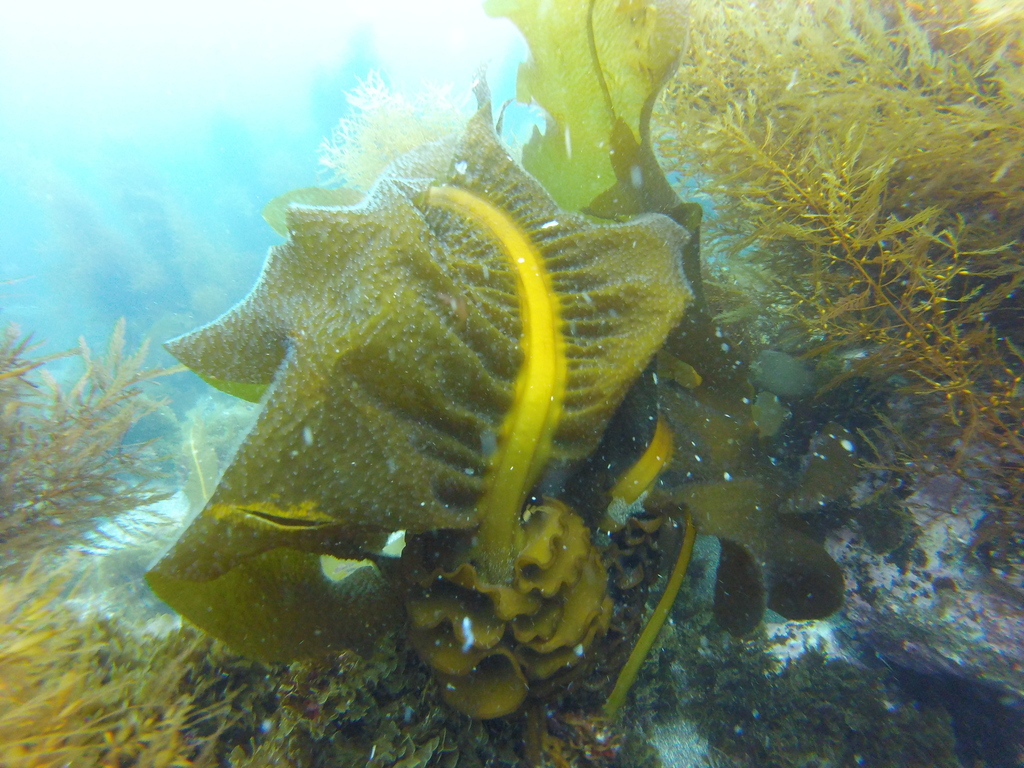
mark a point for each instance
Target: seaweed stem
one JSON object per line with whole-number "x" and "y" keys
{"x": 529, "y": 426}
{"x": 646, "y": 640}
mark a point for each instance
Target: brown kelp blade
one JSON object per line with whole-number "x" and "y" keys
{"x": 279, "y": 606}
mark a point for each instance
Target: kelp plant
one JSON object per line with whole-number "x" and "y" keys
{"x": 457, "y": 360}
{"x": 426, "y": 358}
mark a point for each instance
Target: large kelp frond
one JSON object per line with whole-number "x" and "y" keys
{"x": 388, "y": 335}
{"x": 596, "y": 67}
{"x": 240, "y": 353}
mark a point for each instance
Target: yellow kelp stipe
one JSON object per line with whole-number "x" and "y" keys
{"x": 639, "y": 478}
{"x": 525, "y": 441}
{"x": 646, "y": 640}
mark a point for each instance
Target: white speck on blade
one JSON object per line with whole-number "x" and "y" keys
{"x": 550, "y": 224}
{"x": 461, "y": 166}
{"x": 307, "y": 435}
{"x": 467, "y": 632}
{"x": 846, "y": 445}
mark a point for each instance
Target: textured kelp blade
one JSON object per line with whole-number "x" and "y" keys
{"x": 388, "y": 336}
{"x": 240, "y": 353}
{"x": 620, "y": 287}
{"x": 279, "y": 606}
{"x": 258, "y": 352}
{"x": 275, "y": 213}
{"x": 252, "y": 383}
{"x": 225, "y": 535}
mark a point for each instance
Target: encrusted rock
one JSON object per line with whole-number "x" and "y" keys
{"x": 940, "y": 612}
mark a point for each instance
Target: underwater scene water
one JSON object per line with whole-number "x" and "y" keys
{"x": 576, "y": 383}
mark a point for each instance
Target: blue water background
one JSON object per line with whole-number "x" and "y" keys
{"x": 139, "y": 144}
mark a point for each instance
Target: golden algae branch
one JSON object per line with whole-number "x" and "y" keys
{"x": 82, "y": 691}
{"x": 866, "y": 190}
{"x": 65, "y": 459}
